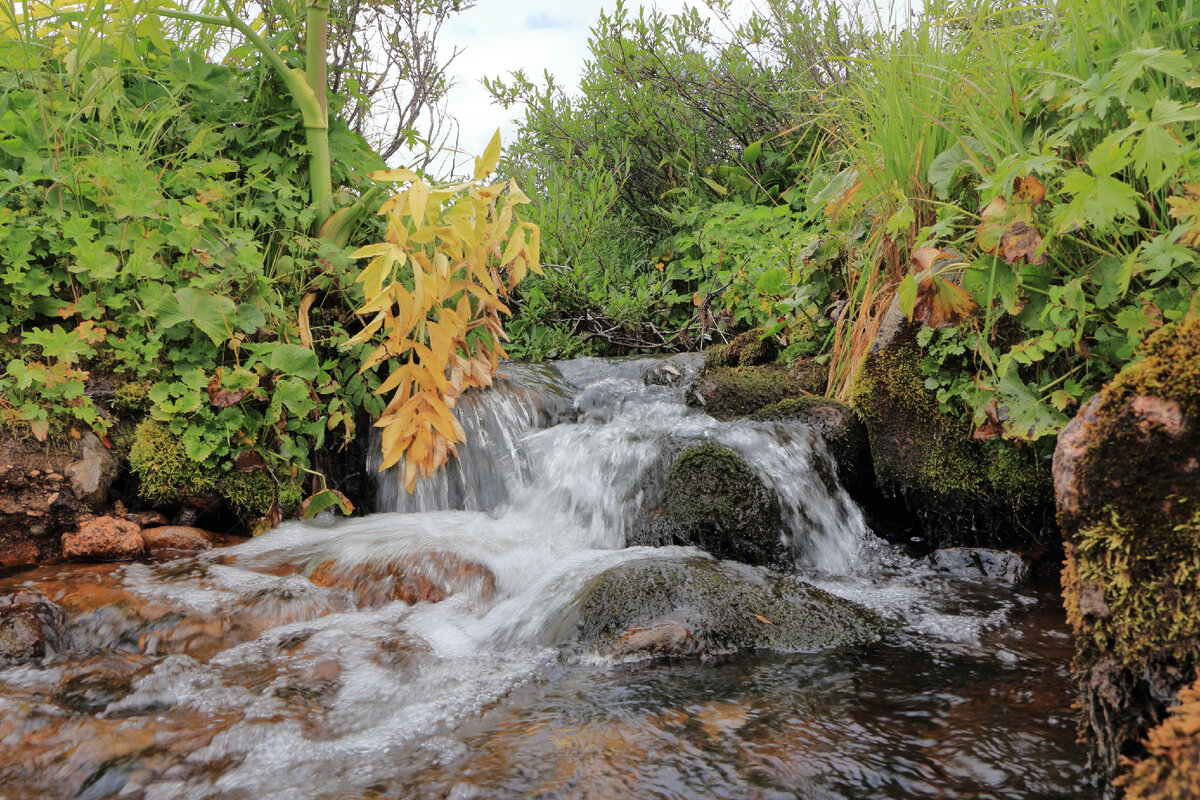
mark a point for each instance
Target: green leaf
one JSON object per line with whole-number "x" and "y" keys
{"x": 213, "y": 314}
{"x": 324, "y": 499}
{"x": 1131, "y": 65}
{"x": 906, "y": 292}
{"x": 294, "y": 360}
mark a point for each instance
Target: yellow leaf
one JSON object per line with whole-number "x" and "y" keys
{"x": 393, "y": 175}
{"x": 486, "y": 164}
{"x": 418, "y": 199}
{"x": 305, "y": 329}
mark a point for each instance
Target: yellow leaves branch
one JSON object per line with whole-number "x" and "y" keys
{"x": 434, "y": 292}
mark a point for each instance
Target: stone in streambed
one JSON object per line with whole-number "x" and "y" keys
{"x": 104, "y": 539}
{"x": 90, "y": 682}
{"x": 712, "y": 499}
{"x": 174, "y": 540}
{"x": 979, "y": 562}
{"x": 29, "y": 626}
{"x": 695, "y": 606}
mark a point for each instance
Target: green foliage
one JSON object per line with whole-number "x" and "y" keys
{"x": 155, "y": 226}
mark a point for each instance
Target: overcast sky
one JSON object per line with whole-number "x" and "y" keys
{"x": 501, "y": 36}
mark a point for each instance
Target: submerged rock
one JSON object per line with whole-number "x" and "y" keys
{"x": 979, "y": 562}
{"x": 425, "y": 578}
{"x": 712, "y": 499}
{"x": 1127, "y": 480}
{"x": 962, "y": 491}
{"x": 30, "y": 626}
{"x": 89, "y": 682}
{"x": 695, "y": 606}
{"x": 104, "y": 539}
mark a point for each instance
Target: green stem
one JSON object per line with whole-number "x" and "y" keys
{"x": 312, "y": 103}
{"x": 315, "y": 56}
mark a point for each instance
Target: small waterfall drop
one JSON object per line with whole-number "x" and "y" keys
{"x": 582, "y": 441}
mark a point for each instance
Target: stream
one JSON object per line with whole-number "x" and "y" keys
{"x": 290, "y": 666}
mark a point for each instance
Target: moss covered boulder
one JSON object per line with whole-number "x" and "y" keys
{"x": 731, "y": 392}
{"x": 713, "y": 500}
{"x": 844, "y": 435}
{"x": 1127, "y": 485}
{"x": 961, "y": 491}
{"x": 694, "y": 606}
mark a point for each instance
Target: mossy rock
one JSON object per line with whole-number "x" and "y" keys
{"x": 1127, "y": 481}
{"x": 694, "y": 606}
{"x": 731, "y": 392}
{"x": 964, "y": 492}
{"x": 169, "y": 477}
{"x": 712, "y": 499}
{"x": 748, "y": 349}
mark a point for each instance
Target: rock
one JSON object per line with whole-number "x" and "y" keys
{"x": 30, "y": 626}
{"x": 91, "y": 682}
{"x": 429, "y": 577}
{"x": 730, "y": 392}
{"x": 712, "y": 499}
{"x": 748, "y": 349}
{"x": 696, "y": 606}
{"x": 979, "y": 562}
{"x": 962, "y": 492}
{"x": 148, "y": 519}
{"x": 169, "y": 540}
{"x": 104, "y": 539}
{"x": 94, "y": 472}
{"x": 20, "y": 635}
{"x": 19, "y": 554}
{"x": 677, "y": 370}
{"x": 1127, "y": 485}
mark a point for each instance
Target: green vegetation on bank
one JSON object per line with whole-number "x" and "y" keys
{"x": 1024, "y": 178}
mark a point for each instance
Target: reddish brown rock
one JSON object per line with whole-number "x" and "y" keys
{"x": 429, "y": 577}
{"x": 21, "y": 635}
{"x": 174, "y": 540}
{"x": 19, "y": 554}
{"x": 104, "y": 539}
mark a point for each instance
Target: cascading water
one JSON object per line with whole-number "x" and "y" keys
{"x": 291, "y": 666}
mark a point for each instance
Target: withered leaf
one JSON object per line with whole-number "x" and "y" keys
{"x": 249, "y": 461}
{"x": 1028, "y": 190}
{"x": 266, "y": 523}
{"x": 940, "y": 303}
{"x": 221, "y": 397}
{"x": 993, "y": 425}
{"x": 1021, "y": 241}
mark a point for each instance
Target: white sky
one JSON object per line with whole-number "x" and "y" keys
{"x": 501, "y": 36}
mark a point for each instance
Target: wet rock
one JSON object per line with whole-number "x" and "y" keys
{"x": 148, "y": 519}
{"x": 425, "y": 578}
{"x": 712, "y": 499}
{"x": 1127, "y": 484}
{"x": 979, "y": 562}
{"x": 730, "y": 392}
{"x": 659, "y": 607}
{"x": 37, "y": 503}
{"x": 960, "y": 491}
{"x": 90, "y": 682}
{"x": 104, "y": 539}
{"x": 94, "y": 472}
{"x": 748, "y": 349}
{"x": 19, "y": 554}
{"x": 174, "y": 540}
{"x": 675, "y": 371}
{"x": 29, "y": 626}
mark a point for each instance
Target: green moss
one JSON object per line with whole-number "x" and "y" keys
{"x": 918, "y": 448}
{"x": 746, "y": 350}
{"x": 130, "y": 397}
{"x": 164, "y": 470}
{"x": 723, "y": 609}
{"x": 1169, "y": 367}
{"x": 731, "y": 392}
{"x": 713, "y": 500}
{"x": 168, "y": 476}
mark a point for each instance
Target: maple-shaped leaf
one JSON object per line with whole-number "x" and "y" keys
{"x": 940, "y": 303}
{"x": 1021, "y": 241}
{"x": 1028, "y": 190}
{"x": 1186, "y": 209}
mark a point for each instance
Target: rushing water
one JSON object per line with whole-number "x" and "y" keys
{"x": 290, "y": 667}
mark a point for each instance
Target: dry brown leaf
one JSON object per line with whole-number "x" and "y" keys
{"x": 1021, "y": 241}
{"x": 1028, "y": 190}
{"x": 942, "y": 304}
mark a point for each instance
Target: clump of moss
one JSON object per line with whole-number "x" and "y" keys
{"x": 131, "y": 397}
{"x": 712, "y": 499}
{"x": 161, "y": 462}
{"x": 168, "y": 476}
{"x": 955, "y": 482}
{"x": 1170, "y": 769}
